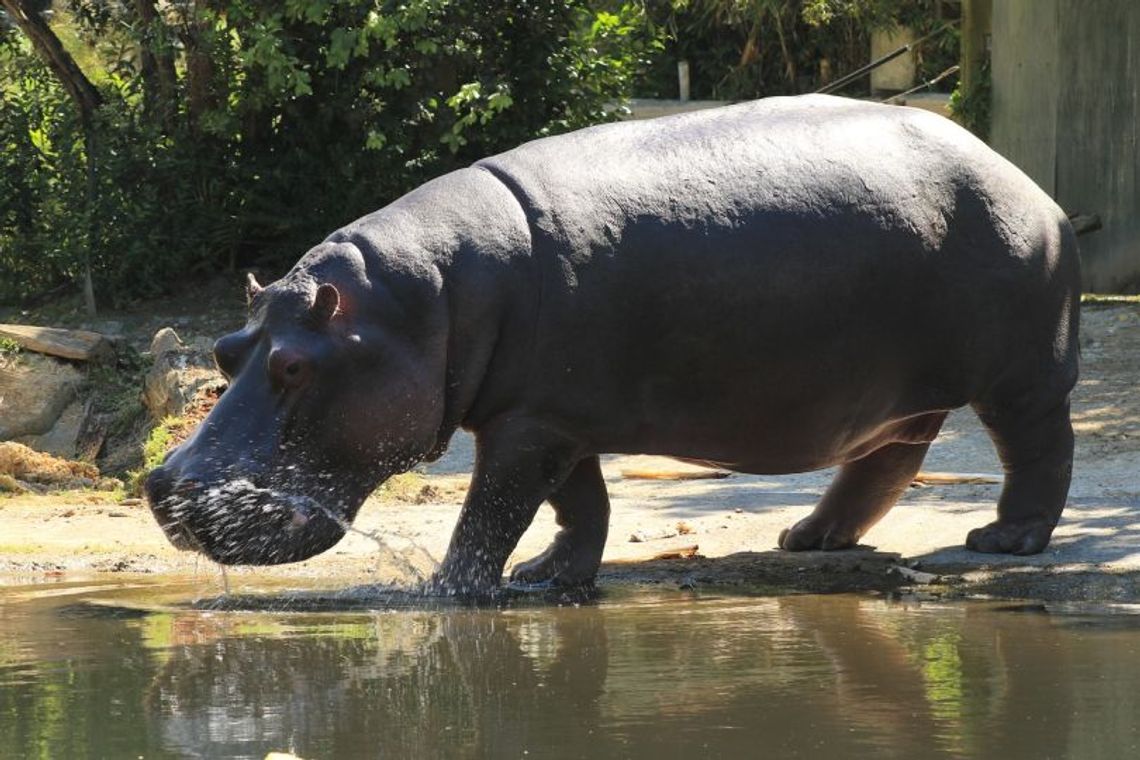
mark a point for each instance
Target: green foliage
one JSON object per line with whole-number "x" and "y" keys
{"x": 740, "y": 49}
{"x": 282, "y": 121}
{"x": 159, "y": 442}
{"x": 8, "y": 349}
{"x": 41, "y": 175}
{"x": 972, "y": 107}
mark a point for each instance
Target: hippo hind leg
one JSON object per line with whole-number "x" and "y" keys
{"x": 1035, "y": 444}
{"x": 582, "y": 510}
{"x": 862, "y": 492}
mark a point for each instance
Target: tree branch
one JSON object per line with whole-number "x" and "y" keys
{"x": 49, "y": 48}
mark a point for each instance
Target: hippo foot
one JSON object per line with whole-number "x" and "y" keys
{"x": 1011, "y": 537}
{"x": 464, "y": 580}
{"x": 562, "y": 564}
{"x": 814, "y": 533}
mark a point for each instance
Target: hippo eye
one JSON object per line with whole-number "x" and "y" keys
{"x": 287, "y": 368}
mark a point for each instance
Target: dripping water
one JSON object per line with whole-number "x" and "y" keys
{"x": 386, "y": 553}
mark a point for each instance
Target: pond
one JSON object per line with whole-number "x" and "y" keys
{"x": 151, "y": 667}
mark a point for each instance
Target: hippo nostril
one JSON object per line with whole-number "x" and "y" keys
{"x": 299, "y": 519}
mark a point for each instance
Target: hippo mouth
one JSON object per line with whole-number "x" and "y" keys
{"x": 240, "y": 523}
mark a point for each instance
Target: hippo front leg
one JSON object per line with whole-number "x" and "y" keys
{"x": 518, "y": 465}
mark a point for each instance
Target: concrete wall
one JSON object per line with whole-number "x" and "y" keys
{"x": 899, "y": 74}
{"x": 1066, "y": 109}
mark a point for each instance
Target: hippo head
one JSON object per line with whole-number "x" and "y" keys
{"x": 336, "y": 383}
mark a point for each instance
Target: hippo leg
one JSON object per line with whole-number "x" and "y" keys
{"x": 1036, "y": 450}
{"x": 862, "y": 492}
{"x": 518, "y": 465}
{"x": 582, "y": 510}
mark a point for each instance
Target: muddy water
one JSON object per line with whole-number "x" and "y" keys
{"x": 149, "y": 668}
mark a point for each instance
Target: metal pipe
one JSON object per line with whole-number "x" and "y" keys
{"x": 952, "y": 70}
{"x": 862, "y": 71}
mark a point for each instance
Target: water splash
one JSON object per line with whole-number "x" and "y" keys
{"x": 389, "y": 556}
{"x": 411, "y": 565}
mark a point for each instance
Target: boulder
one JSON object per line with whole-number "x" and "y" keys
{"x": 34, "y": 391}
{"x": 181, "y": 372}
{"x": 63, "y": 438}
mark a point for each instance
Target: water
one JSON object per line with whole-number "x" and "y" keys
{"x": 149, "y": 667}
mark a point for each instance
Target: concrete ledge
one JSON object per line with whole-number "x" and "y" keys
{"x": 651, "y": 108}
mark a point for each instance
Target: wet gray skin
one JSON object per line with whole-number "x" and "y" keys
{"x": 281, "y": 465}
{"x": 774, "y": 287}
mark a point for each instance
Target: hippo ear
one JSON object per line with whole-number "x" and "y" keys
{"x": 252, "y": 287}
{"x": 326, "y": 303}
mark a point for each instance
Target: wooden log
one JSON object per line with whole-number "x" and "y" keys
{"x": 692, "y": 551}
{"x": 683, "y": 552}
{"x": 79, "y": 345}
{"x": 674, "y": 474}
{"x": 956, "y": 478}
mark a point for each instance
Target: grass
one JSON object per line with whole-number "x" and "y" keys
{"x": 405, "y": 487}
{"x": 66, "y": 497}
{"x": 9, "y": 350}
{"x": 160, "y": 440}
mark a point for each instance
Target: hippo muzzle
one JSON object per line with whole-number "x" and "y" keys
{"x": 238, "y": 522}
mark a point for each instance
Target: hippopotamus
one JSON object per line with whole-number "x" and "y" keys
{"x": 772, "y": 287}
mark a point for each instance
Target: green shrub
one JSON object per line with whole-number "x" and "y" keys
{"x": 285, "y": 121}
{"x": 972, "y": 107}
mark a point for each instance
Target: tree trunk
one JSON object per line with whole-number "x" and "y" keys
{"x": 201, "y": 95}
{"x": 51, "y": 50}
{"x": 976, "y": 23}
{"x": 789, "y": 62}
{"x": 156, "y": 62}
{"x": 86, "y": 98}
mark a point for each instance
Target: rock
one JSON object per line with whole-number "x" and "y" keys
{"x": 62, "y": 440}
{"x": 111, "y": 329}
{"x": 914, "y": 576}
{"x": 34, "y": 391}
{"x": 180, "y": 373}
{"x": 165, "y": 341}
{"x": 80, "y": 345}
{"x": 643, "y": 536}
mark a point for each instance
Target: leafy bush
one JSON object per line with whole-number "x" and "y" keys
{"x": 236, "y": 132}
{"x": 740, "y": 49}
{"x": 972, "y": 106}
{"x": 41, "y": 176}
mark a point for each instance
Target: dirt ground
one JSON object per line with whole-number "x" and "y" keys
{"x": 732, "y": 521}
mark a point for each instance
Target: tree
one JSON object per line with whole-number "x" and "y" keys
{"x": 239, "y": 132}
{"x": 83, "y": 94}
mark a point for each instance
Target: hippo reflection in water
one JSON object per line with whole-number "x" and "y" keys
{"x": 773, "y": 287}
